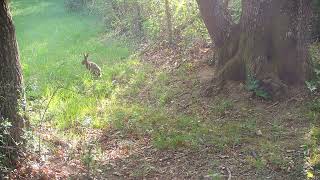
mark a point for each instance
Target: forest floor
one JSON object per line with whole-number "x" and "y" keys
{"x": 246, "y": 137}
{"x": 146, "y": 118}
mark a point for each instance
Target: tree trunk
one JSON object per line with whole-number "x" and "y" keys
{"x": 169, "y": 22}
{"x": 269, "y": 44}
{"x": 316, "y": 21}
{"x": 137, "y": 21}
{"x": 11, "y": 91}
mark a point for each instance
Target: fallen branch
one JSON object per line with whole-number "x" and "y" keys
{"x": 228, "y": 170}
{"x": 8, "y": 147}
{"x": 273, "y": 105}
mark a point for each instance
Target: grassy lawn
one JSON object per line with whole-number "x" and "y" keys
{"x": 52, "y": 42}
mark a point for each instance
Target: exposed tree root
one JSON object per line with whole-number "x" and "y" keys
{"x": 232, "y": 70}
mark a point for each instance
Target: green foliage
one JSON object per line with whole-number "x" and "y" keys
{"x": 5, "y": 146}
{"x": 221, "y": 106}
{"x": 235, "y": 8}
{"x": 254, "y": 86}
{"x": 145, "y": 20}
{"x": 314, "y": 156}
{"x": 312, "y": 146}
{"x": 314, "y": 83}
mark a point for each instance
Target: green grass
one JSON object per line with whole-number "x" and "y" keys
{"x": 52, "y": 42}
{"x": 312, "y": 150}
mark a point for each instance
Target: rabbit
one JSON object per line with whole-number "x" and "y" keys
{"x": 91, "y": 66}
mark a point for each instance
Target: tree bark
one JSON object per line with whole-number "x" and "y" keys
{"x": 137, "y": 20}
{"x": 269, "y": 44}
{"x": 11, "y": 87}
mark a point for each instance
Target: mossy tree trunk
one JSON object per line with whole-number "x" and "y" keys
{"x": 11, "y": 91}
{"x": 269, "y": 43}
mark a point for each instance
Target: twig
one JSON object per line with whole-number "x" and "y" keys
{"x": 276, "y": 103}
{"x": 8, "y": 147}
{"x": 43, "y": 115}
{"x": 229, "y": 173}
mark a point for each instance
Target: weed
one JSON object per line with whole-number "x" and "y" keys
{"x": 222, "y": 106}
{"x": 249, "y": 126}
{"x": 161, "y": 92}
{"x": 314, "y": 83}
{"x": 254, "y": 86}
{"x": 277, "y": 130}
{"x": 88, "y": 158}
{"x": 258, "y": 163}
{"x": 315, "y": 151}
{"x": 5, "y": 145}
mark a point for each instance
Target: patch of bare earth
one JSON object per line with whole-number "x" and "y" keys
{"x": 280, "y": 128}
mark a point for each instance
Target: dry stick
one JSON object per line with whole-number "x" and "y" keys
{"x": 229, "y": 172}
{"x": 43, "y": 115}
{"x": 46, "y": 109}
{"x": 272, "y": 105}
{"x": 8, "y": 147}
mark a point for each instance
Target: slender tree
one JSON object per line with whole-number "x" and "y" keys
{"x": 137, "y": 20}
{"x": 11, "y": 91}
{"x": 169, "y": 22}
{"x": 269, "y": 44}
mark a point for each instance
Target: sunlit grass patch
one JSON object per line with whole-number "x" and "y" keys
{"x": 52, "y": 43}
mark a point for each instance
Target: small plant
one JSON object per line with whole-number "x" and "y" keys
{"x": 222, "y": 106}
{"x": 254, "y": 86}
{"x": 277, "y": 130}
{"x": 314, "y": 155}
{"x": 88, "y": 158}
{"x": 5, "y": 141}
{"x": 249, "y": 126}
{"x": 314, "y": 83}
{"x": 259, "y": 163}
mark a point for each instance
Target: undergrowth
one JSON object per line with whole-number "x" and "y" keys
{"x": 312, "y": 150}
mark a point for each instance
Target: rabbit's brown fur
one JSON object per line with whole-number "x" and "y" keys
{"x": 91, "y": 66}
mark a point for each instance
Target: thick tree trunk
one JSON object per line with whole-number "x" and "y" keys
{"x": 11, "y": 91}
{"x": 316, "y": 21}
{"x": 269, "y": 44}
